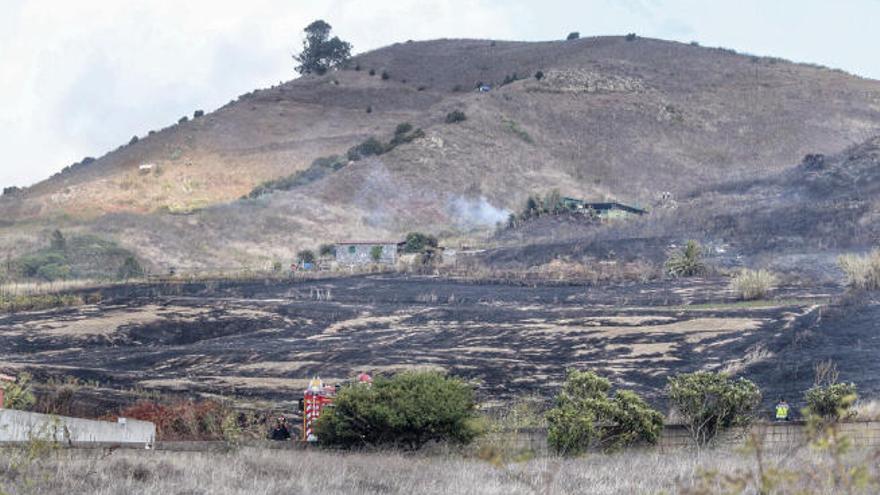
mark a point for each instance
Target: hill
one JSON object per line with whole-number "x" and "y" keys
{"x": 610, "y": 118}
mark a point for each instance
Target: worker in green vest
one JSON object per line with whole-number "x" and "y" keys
{"x": 782, "y": 410}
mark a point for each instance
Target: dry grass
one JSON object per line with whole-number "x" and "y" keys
{"x": 753, "y": 284}
{"x": 265, "y": 471}
{"x": 42, "y": 288}
{"x": 862, "y": 271}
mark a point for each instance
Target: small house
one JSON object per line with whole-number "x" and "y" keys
{"x": 350, "y": 253}
{"x": 604, "y": 210}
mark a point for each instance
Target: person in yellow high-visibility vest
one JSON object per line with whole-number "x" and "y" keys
{"x": 782, "y": 410}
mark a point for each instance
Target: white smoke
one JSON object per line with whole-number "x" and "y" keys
{"x": 476, "y": 212}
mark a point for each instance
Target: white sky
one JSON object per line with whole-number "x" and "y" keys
{"x": 80, "y": 77}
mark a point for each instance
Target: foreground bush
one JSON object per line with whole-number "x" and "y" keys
{"x": 831, "y": 402}
{"x": 585, "y": 417}
{"x": 687, "y": 262}
{"x": 862, "y": 271}
{"x": 710, "y": 402}
{"x": 407, "y": 410}
{"x": 753, "y": 284}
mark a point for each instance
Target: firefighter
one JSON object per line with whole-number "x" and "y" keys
{"x": 782, "y": 410}
{"x": 280, "y": 431}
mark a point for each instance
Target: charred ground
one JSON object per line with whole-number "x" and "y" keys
{"x": 263, "y": 340}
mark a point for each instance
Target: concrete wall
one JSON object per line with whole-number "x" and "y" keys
{"x": 22, "y": 426}
{"x": 361, "y": 254}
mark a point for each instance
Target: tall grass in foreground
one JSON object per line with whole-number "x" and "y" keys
{"x": 12, "y": 289}
{"x": 750, "y": 285}
{"x": 862, "y": 271}
{"x": 267, "y": 471}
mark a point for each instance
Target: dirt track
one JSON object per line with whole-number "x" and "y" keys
{"x": 264, "y": 340}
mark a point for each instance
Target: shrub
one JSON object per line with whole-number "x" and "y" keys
{"x": 631, "y": 37}
{"x": 831, "y": 402}
{"x": 586, "y": 417}
{"x": 827, "y": 399}
{"x": 183, "y": 119}
{"x": 18, "y": 394}
{"x": 372, "y": 72}
{"x": 573, "y": 36}
{"x": 133, "y": 140}
{"x": 455, "y": 116}
{"x": 862, "y": 271}
{"x": 402, "y": 128}
{"x": 539, "y": 75}
{"x": 277, "y": 266}
{"x": 417, "y": 242}
{"x": 687, "y": 262}
{"x": 198, "y": 113}
{"x": 185, "y": 420}
{"x": 407, "y": 410}
{"x": 305, "y": 256}
{"x": 369, "y": 108}
{"x": 376, "y": 253}
{"x": 11, "y": 190}
{"x": 327, "y": 250}
{"x": 370, "y": 147}
{"x": 130, "y": 268}
{"x": 385, "y": 75}
{"x": 753, "y": 284}
{"x": 710, "y": 402}
{"x": 43, "y": 264}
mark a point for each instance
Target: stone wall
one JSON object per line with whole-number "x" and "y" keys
{"x": 22, "y": 426}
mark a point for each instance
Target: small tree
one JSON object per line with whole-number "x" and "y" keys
{"x": 573, "y": 35}
{"x": 710, "y": 402}
{"x": 417, "y": 242}
{"x": 407, "y": 410}
{"x": 586, "y": 417}
{"x": 687, "y": 262}
{"x": 328, "y": 250}
{"x": 376, "y": 253}
{"x": 539, "y": 75}
{"x": 370, "y": 147}
{"x": 402, "y": 128}
{"x": 130, "y": 268}
{"x": 631, "y": 37}
{"x": 320, "y": 52}
{"x": 828, "y": 399}
{"x": 305, "y": 256}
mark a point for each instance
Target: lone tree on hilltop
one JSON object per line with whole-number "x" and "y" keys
{"x": 320, "y": 52}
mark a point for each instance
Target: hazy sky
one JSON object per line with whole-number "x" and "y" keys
{"x": 78, "y": 78}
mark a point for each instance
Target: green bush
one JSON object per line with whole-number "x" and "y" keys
{"x": 402, "y": 128}
{"x": 631, "y": 37}
{"x": 710, "y": 402}
{"x": 585, "y": 417}
{"x": 48, "y": 265}
{"x": 18, "y": 395}
{"x": 687, "y": 262}
{"x": 753, "y": 284}
{"x": 573, "y": 35}
{"x": 385, "y": 76}
{"x": 370, "y": 147}
{"x": 539, "y": 75}
{"x": 832, "y": 401}
{"x": 407, "y": 410}
{"x": 417, "y": 242}
{"x": 57, "y": 242}
{"x": 455, "y": 116}
{"x": 327, "y": 250}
